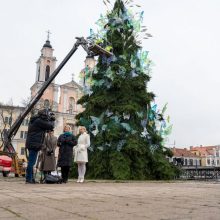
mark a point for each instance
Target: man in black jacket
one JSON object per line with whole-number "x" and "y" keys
{"x": 37, "y": 128}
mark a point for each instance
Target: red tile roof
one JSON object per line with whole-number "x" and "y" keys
{"x": 182, "y": 152}
{"x": 204, "y": 150}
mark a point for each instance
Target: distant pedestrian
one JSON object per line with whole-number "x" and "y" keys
{"x": 66, "y": 142}
{"x": 81, "y": 154}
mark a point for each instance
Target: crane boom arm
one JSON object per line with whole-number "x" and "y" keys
{"x": 90, "y": 49}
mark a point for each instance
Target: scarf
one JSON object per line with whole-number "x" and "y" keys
{"x": 67, "y": 133}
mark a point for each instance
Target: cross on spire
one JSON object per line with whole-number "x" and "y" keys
{"x": 48, "y": 35}
{"x": 72, "y": 76}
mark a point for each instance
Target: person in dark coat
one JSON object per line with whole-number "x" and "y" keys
{"x": 66, "y": 142}
{"x": 37, "y": 128}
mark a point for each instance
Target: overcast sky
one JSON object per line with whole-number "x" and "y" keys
{"x": 184, "y": 48}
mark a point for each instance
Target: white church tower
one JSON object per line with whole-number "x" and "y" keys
{"x": 46, "y": 64}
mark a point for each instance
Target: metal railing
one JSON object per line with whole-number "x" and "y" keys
{"x": 200, "y": 173}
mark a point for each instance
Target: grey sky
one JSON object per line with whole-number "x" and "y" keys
{"x": 185, "y": 49}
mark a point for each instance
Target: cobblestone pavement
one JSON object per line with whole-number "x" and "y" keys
{"x": 109, "y": 200}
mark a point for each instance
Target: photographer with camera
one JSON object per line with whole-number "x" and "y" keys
{"x": 38, "y": 126}
{"x": 47, "y": 154}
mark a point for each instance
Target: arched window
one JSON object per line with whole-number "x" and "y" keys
{"x": 46, "y": 103}
{"x": 47, "y": 73}
{"x": 71, "y": 105}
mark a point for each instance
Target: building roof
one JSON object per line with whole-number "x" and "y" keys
{"x": 11, "y": 107}
{"x": 47, "y": 44}
{"x": 205, "y": 150}
{"x": 182, "y": 152}
{"x": 72, "y": 84}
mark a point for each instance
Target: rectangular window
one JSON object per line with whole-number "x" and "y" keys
{"x": 10, "y": 121}
{"x": 6, "y": 120}
{"x": 25, "y": 135}
{"x": 217, "y": 162}
{"x": 196, "y": 162}
{"x": 25, "y": 122}
{"x": 21, "y": 134}
{"x": 208, "y": 161}
{"x": 22, "y": 151}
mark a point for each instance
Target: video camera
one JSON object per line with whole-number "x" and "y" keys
{"x": 46, "y": 114}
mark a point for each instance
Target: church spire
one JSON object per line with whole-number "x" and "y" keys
{"x": 48, "y": 35}
{"x": 47, "y": 44}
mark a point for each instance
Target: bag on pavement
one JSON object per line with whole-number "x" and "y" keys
{"x": 51, "y": 179}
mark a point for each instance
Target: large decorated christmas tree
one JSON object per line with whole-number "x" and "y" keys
{"x": 127, "y": 131}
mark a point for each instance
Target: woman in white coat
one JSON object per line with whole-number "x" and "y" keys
{"x": 81, "y": 154}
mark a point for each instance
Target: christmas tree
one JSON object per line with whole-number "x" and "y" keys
{"x": 126, "y": 129}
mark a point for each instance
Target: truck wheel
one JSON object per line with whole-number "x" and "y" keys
{"x": 5, "y": 173}
{"x": 16, "y": 175}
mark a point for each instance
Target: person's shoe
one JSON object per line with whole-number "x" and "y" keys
{"x": 64, "y": 181}
{"x": 81, "y": 180}
{"x": 34, "y": 181}
{"x": 78, "y": 181}
{"x": 29, "y": 182}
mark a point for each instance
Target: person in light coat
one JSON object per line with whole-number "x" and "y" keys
{"x": 81, "y": 154}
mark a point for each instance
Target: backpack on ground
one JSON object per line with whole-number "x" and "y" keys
{"x": 51, "y": 179}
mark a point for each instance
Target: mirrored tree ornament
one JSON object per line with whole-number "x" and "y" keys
{"x": 126, "y": 116}
{"x": 144, "y": 133}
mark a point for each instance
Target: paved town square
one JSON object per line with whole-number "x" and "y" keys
{"x": 110, "y": 200}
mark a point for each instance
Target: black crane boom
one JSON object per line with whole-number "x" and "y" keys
{"x": 90, "y": 48}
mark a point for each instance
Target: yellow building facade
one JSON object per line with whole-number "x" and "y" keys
{"x": 8, "y": 115}
{"x": 210, "y": 155}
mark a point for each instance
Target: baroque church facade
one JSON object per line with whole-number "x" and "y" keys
{"x": 61, "y": 99}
